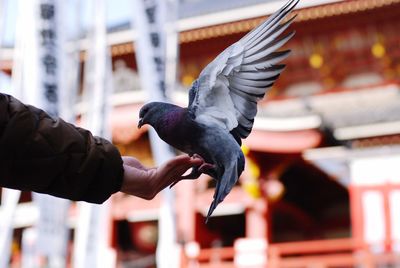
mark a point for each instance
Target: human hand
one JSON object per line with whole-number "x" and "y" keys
{"x": 148, "y": 182}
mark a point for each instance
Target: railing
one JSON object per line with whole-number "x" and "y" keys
{"x": 209, "y": 258}
{"x": 322, "y": 253}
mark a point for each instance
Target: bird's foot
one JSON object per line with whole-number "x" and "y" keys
{"x": 207, "y": 167}
{"x": 197, "y": 156}
{"x": 194, "y": 174}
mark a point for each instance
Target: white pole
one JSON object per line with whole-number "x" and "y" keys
{"x": 9, "y": 203}
{"x": 149, "y": 20}
{"x": 70, "y": 64}
{"x": 28, "y": 245}
{"x": 3, "y": 7}
{"x": 167, "y": 248}
{"x": 10, "y": 197}
{"x": 91, "y": 248}
{"x": 5, "y": 82}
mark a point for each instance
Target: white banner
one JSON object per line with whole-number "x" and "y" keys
{"x": 92, "y": 239}
{"x": 42, "y": 88}
{"x": 150, "y": 20}
{"x": 150, "y": 47}
{"x": 44, "y": 61}
{"x": 52, "y": 226}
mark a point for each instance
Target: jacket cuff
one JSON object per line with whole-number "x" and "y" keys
{"x": 109, "y": 177}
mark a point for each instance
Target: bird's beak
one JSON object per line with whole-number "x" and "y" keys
{"x": 140, "y": 123}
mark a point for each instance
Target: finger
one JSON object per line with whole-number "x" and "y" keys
{"x": 175, "y": 179}
{"x": 178, "y": 168}
{"x": 185, "y": 160}
{"x": 172, "y": 178}
{"x": 172, "y": 171}
{"x": 167, "y": 183}
{"x": 172, "y": 174}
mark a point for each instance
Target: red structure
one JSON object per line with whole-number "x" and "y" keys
{"x": 321, "y": 185}
{"x": 302, "y": 195}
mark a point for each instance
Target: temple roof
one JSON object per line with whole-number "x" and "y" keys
{"x": 358, "y": 113}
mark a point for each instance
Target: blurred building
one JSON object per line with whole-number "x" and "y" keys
{"x": 322, "y": 180}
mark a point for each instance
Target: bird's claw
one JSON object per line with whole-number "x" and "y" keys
{"x": 206, "y": 167}
{"x": 196, "y": 171}
{"x": 194, "y": 174}
{"x": 197, "y": 156}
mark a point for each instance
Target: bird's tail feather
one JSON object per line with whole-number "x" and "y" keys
{"x": 226, "y": 182}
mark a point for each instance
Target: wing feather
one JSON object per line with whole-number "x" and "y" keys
{"x": 259, "y": 83}
{"x": 267, "y": 61}
{"x": 271, "y": 47}
{"x": 249, "y": 90}
{"x": 228, "y": 89}
{"x": 261, "y": 73}
{"x": 252, "y": 97}
{"x": 271, "y": 20}
{"x": 266, "y": 42}
{"x": 273, "y": 27}
{"x": 246, "y": 108}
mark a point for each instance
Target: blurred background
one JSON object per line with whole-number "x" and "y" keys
{"x": 321, "y": 186}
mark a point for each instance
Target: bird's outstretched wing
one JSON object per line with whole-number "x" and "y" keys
{"x": 228, "y": 89}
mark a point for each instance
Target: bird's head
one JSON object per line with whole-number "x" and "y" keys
{"x": 151, "y": 112}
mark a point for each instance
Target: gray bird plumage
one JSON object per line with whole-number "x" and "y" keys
{"x": 223, "y": 103}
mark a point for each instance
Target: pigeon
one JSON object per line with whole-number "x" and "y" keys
{"x": 223, "y": 103}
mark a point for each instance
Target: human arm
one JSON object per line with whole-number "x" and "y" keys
{"x": 48, "y": 155}
{"x": 148, "y": 182}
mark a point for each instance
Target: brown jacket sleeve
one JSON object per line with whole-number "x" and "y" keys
{"x": 46, "y": 155}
